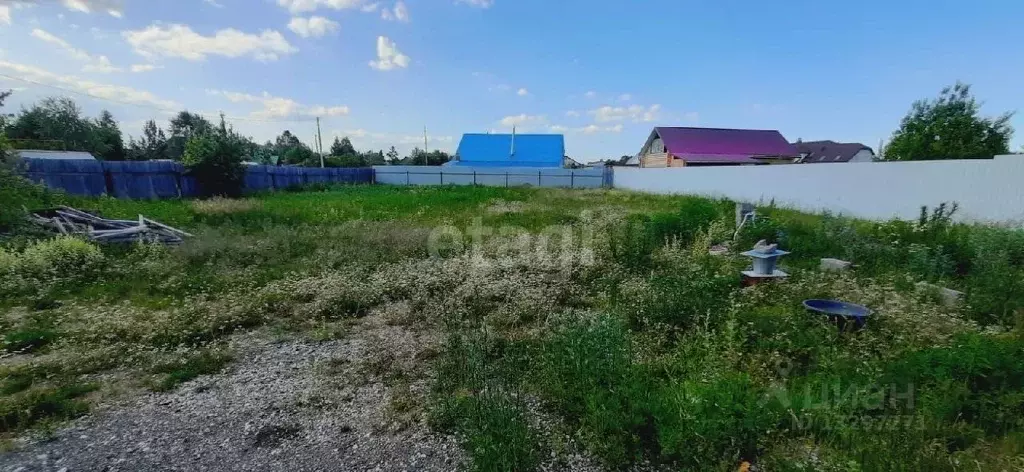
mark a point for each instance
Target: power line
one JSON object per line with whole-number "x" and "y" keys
{"x": 154, "y": 107}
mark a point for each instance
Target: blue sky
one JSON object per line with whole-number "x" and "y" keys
{"x": 603, "y": 73}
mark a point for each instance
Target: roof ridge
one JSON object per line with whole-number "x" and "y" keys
{"x": 721, "y": 129}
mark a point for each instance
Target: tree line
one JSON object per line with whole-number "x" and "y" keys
{"x": 58, "y": 123}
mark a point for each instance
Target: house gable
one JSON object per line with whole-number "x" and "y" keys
{"x": 507, "y": 150}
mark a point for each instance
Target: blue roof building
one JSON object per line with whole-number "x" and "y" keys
{"x": 511, "y": 150}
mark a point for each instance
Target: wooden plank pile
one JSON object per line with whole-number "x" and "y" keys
{"x": 69, "y": 221}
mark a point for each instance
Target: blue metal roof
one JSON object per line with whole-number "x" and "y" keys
{"x": 496, "y": 150}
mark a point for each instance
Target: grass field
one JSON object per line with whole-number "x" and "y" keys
{"x": 592, "y": 319}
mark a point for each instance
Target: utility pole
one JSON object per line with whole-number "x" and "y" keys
{"x": 426, "y": 159}
{"x": 319, "y": 142}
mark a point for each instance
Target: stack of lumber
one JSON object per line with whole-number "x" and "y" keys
{"x": 69, "y": 221}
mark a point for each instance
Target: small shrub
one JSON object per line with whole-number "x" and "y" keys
{"x": 62, "y": 257}
{"x": 471, "y": 399}
{"x": 225, "y": 206}
{"x": 28, "y": 339}
{"x": 26, "y": 408}
{"x": 586, "y": 372}
{"x": 763, "y": 228}
{"x": 979, "y": 380}
{"x": 704, "y": 424}
{"x": 995, "y": 286}
{"x": 681, "y": 292}
{"x": 45, "y": 263}
{"x": 634, "y": 240}
{"x": 178, "y": 371}
{"x": 16, "y": 192}
{"x": 215, "y": 159}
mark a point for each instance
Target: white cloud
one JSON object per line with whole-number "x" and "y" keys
{"x": 214, "y": 3}
{"x": 5, "y": 14}
{"x": 99, "y": 64}
{"x": 102, "y": 65}
{"x": 523, "y": 92}
{"x": 369, "y": 8}
{"x": 315, "y": 26}
{"x": 300, "y": 6}
{"x": 523, "y": 120}
{"x": 636, "y": 113}
{"x": 589, "y": 129}
{"x": 572, "y": 114}
{"x": 625, "y": 97}
{"x": 477, "y": 3}
{"x": 137, "y": 68}
{"x": 112, "y": 7}
{"x": 371, "y": 140}
{"x": 50, "y": 38}
{"x": 280, "y": 108}
{"x": 399, "y": 13}
{"x": 99, "y": 90}
{"x": 388, "y": 56}
{"x": 593, "y": 129}
{"x": 590, "y": 94}
{"x": 180, "y": 41}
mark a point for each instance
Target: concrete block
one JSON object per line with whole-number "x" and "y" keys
{"x": 835, "y": 265}
{"x": 949, "y": 297}
{"x": 744, "y": 209}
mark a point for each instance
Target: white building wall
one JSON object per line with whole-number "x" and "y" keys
{"x": 987, "y": 190}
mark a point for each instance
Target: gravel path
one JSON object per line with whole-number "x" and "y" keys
{"x": 291, "y": 405}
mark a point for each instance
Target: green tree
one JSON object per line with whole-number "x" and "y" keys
{"x": 393, "y": 157}
{"x": 949, "y": 127}
{"x": 301, "y": 155}
{"x": 108, "y": 136}
{"x": 55, "y": 123}
{"x": 150, "y": 146}
{"x": 342, "y": 147}
{"x": 374, "y": 158}
{"x": 183, "y": 127}
{"x": 215, "y": 158}
{"x": 419, "y": 157}
{"x": 6, "y": 153}
{"x": 347, "y": 160}
{"x": 265, "y": 154}
{"x": 4, "y": 117}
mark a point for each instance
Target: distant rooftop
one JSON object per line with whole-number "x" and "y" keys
{"x": 724, "y": 145}
{"x": 507, "y": 150}
{"x": 829, "y": 151}
{"x": 55, "y": 155}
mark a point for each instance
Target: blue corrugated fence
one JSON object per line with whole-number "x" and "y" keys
{"x": 165, "y": 179}
{"x": 75, "y": 176}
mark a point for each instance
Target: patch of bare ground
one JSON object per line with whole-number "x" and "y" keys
{"x": 347, "y": 404}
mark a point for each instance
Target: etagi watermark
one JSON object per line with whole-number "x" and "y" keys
{"x": 565, "y": 245}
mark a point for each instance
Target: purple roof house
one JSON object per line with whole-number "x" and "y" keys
{"x": 681, "y": 147}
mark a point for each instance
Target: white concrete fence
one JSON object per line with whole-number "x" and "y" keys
{"x": 989, "y": 190}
